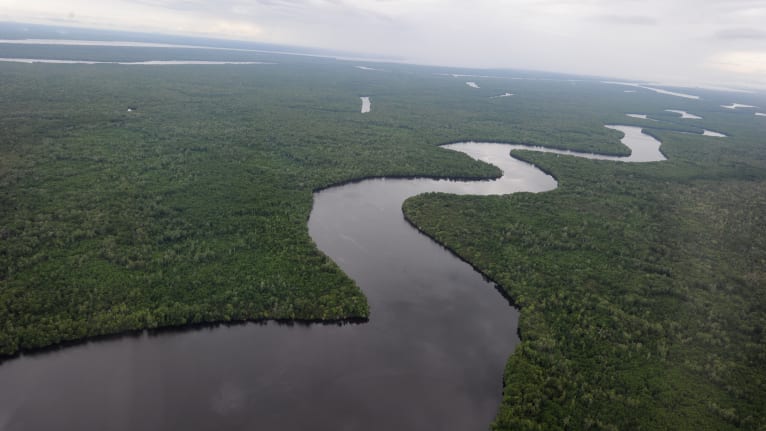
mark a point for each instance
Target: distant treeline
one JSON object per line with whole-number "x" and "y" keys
{"x": 641, "y": 287}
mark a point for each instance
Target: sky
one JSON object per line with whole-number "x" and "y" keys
{"x": 687, "y": 42}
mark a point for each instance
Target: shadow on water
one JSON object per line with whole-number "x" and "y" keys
{"x": 170, "y": 330}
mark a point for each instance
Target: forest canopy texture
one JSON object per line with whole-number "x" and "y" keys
{"x": 641, "y": 287}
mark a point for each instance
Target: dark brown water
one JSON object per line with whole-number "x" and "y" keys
{"x": 431, "y": 356}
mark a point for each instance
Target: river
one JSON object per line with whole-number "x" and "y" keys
{"x": 366, "y": 106}
{"x": 431, "y": 356}
{"x": 131, "y": 63}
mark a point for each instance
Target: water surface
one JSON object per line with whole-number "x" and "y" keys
{"x": 655, "y": 89}
{"x": 431, "y": 356}
{"x": 641, "y": 116}
{"x": 684, "y": 114}
{"x": 113, "y": 43}
{"x": 366, "y": 106}
{"x": 706, "y": 132}
{"x": 737, "y": 106}
{"x": 128, "y": 63}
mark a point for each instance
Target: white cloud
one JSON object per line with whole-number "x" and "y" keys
{"x": 741, "y": 62}
{"x": 684, "y": 41}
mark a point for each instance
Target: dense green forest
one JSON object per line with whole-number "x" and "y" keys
{"x": 190, "y": 209}
{"x": 641, "y": 287}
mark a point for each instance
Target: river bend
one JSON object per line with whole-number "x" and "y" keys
{"x": 431, "y": 356}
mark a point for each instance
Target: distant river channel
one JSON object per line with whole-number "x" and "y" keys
{"x": 431, "y": 356}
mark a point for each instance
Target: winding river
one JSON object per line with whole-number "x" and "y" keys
{"x": 431, "y": 356}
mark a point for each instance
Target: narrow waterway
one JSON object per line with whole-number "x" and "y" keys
{"x": 641, "y": 116}
{"x": 706, "y": 132}
{"x": 131, "y": 63}
{"x": 737, "y": 106}
{"x": 684, "y": 115}
{"x": 431, "y": 356}
{"x": 366, "y": 105}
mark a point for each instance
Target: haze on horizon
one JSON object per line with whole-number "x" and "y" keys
{"x": 684, "y": 42}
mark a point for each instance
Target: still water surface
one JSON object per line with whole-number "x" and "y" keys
{"x": 706, "y": 132}
{"x": 130, "y": 63}
{"x": 366, "y": 106}
{"x": 431, "y": 356}
{"x": 684, "y": 115}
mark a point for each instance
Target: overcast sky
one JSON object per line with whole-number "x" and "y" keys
{"x": 674, "y": 41}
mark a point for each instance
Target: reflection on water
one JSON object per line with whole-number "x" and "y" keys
{"x": 737, "y": 106}
{"x": 671, "y": 93}
{"x": 365, "y": 105}
{"x": 684, "y": 114}
{"x": 114, "y": 43}
{"x": 128, "y": 63}
{"x": 712, "y": 133}
{"x": 655, "y": 89}
{"x": 431, "y": 356}
{"x": 182, "y": 62}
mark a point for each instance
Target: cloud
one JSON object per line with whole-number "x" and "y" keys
{"x": 625, "y": 20}
{"x": 741, "y": 33}
{"x": 741, "y": 62}
{"x": 694, "y": 41}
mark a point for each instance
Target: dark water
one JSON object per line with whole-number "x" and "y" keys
{"x": 431, "y": 356}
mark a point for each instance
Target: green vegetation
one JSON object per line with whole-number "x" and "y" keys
{"x": 641, "y": 287}
{"x": 193, "y": 208}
